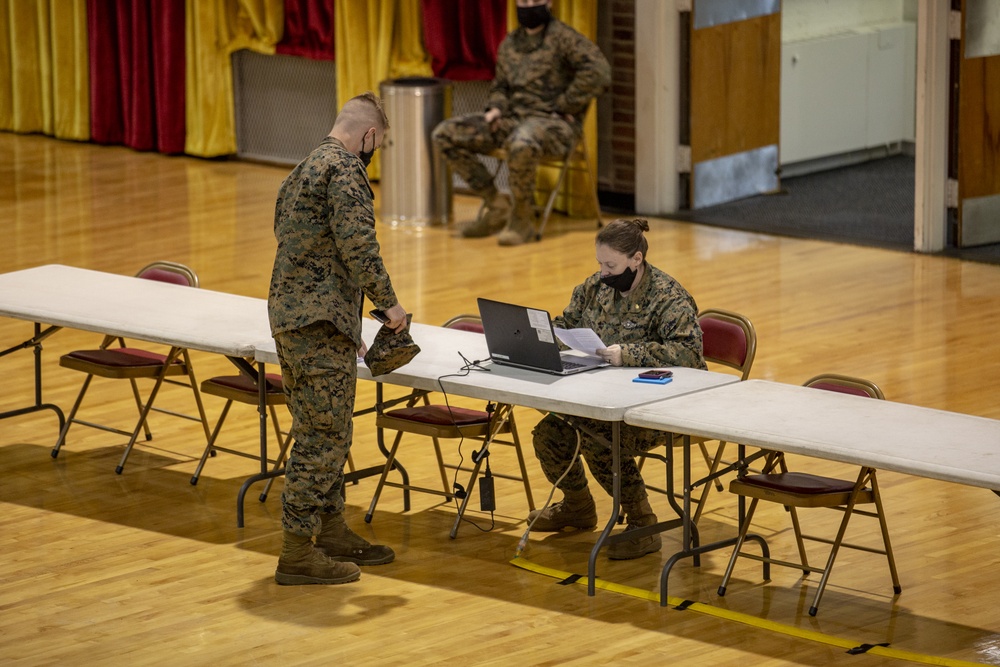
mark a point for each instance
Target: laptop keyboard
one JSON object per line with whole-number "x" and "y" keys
{"x": 568, "y": 365}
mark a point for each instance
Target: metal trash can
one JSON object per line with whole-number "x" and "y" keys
{"x": 415, "y": 184}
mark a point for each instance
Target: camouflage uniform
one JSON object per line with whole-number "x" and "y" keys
{"x": 656, "y": 325}
{"x": 539, "y": 79}
{"x": 327, "y": 260}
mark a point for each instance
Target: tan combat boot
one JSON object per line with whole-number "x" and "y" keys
{"x": 520, "y": 229}
{"x": 301, "y": 563}
{"x": 638, "y": 515}
{"x": 577, "y": 510}
{"x": 341, "y": 543}
{"x": 493, "y": 216}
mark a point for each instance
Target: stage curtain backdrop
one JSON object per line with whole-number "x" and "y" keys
{"x": 137, "y": 73}
{"x": 377, "y": 41}
{"x": 43, "y": 67}
{"x": 215, "y": 29}
{"x": 582, "y": 16}
{"x": 462, "y": 38}
{"x": 308, "y": 29}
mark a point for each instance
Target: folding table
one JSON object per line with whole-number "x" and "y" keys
{"x": 885, "y": 435}
{"x": 604, "y": 394}
{"x": 156, "y": 312}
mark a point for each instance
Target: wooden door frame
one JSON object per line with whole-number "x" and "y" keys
{"x": 657, "y": 105}
{"x": 930, "y": 209}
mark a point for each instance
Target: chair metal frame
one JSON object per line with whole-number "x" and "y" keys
{"x": 244, "y": 389}
{"x": 160, "y": 368}
{"x": 576, "y": 159}
{"x": 496, "y": 420}
{"x": 804, "y": 490}
{"x": 716, "y": 351}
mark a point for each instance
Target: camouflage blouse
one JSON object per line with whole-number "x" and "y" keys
{"x": 324, "y": 221}
{"x": 656, "y": 323}
{"x": 556, "y": 71}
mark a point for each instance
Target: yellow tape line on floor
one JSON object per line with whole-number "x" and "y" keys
{"x": 740, "y": 617}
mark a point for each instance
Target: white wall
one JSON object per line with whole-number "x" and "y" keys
{"x": 808, "y": 19}
{"x": 847, "y": 77}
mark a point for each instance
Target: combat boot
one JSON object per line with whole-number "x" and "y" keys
{"x": 301, "y": 563}
{"x": 520, "y": 229}
{"x": 577, "y": 510}
{"x": 341, "y": 543}
{"x": 638, "y": 515}
{"x": 493, "y": 216}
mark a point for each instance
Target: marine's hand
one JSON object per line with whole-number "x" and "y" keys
{"x": 611, "y": 354}
{"x": 363, "y": 350}
{"x": 397, "y": 318}
{"x": 491, "y": 116}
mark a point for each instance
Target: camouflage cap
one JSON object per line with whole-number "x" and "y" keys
{"x": 390, "y": 351}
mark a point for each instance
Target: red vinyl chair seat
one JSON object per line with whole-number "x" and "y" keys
{"x": 121, "y": 357}
{"x": 438, "y": 415}
{"x": 800, "y": 483}
{"x": 245, "y": 384}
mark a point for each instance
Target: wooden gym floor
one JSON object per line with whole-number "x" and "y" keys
{"x": 145, "y": 569}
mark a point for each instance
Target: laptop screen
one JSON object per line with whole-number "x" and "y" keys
{"x": 519, "y": 335}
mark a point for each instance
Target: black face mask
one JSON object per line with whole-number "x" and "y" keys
{"x": 532, "y": 17}
{"x": 366, "y": 156}
{"x": 621, "y": 282}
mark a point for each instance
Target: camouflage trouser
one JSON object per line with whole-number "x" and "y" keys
{"x": 319, "y": 370}
{"x": 555, "y": 442}
{"x": 526, "y": 141}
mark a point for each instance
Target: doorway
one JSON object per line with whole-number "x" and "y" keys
{"x": 847, "y": 118}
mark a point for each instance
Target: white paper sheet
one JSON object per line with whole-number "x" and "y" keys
{"x": 584, "y": 340}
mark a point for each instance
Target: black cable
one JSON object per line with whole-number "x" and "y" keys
{"x": 461, "y": 492}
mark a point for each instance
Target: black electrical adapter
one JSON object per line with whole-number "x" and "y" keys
{"x": 487, "y": 499}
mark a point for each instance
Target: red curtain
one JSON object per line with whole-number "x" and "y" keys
{"x": 308, "y": 29}
{"x": 462, "y": 37}
{"x": 137, "y": 73}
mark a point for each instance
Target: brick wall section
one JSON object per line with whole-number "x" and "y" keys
{"x": 618, "y": 169}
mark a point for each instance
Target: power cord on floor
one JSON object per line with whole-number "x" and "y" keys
{"x": 523, "y": 542}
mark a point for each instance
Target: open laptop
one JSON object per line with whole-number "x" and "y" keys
{"x": 523, "y": 337}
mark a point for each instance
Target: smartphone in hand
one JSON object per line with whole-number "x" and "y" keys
{"x": 380, "y": 316}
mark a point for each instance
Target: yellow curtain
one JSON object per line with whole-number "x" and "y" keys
{"x": 375, "y": 41}
{"x": 581, "y": 15}
{"x": 214, "y": 30}
{"x": 408, "y": 56}
{"x": 44, "y": 80}
{"x": 70, "y": 69}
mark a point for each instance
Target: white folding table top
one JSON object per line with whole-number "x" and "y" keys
{"x": 136, "y": 308}
{"x": 604, "y": 393}
{"x": 881, "y": 434}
